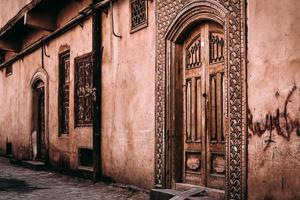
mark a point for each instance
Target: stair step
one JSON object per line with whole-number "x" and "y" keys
{"x": 168, "y": 194}
{"x": 30, "y": 164}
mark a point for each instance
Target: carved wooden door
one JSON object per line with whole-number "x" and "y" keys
{"x": 203, "y": 77}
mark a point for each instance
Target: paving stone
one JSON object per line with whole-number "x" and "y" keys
{"x": 21, "y": 183}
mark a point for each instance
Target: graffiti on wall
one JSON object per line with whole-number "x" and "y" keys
{"x": 280, "y": 123}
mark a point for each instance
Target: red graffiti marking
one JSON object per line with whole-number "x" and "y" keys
{"x": 281, "y": 122}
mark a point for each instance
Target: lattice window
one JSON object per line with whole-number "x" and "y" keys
{"x": 64, "y": 92}
{"x": 83, "y": 91}
{"x": 139, "y": 14}
{"x": 216, "y": 48}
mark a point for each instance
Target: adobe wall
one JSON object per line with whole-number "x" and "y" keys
{"x": 274, "y": 99}
{"x": 15, "y": 98}
{"x": 128, "y": 98}
{"x": 15, "y": 116}
{"x": 9, "y": 9}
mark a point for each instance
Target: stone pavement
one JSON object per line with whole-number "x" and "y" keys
{"x": 21, "y": 183}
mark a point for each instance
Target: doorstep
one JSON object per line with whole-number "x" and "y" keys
{"x": 170, "y": 194}
{"x": 85, "y": 172}
{"x": 214, "y": 193}
{"x": 81, "y": 172}
{"x": 181, "y": 189}
{"x": 30, "y": 164}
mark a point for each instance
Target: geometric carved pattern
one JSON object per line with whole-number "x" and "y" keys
{"x": 139, "y": 14}
{"x": 193, "y": 162}
{"x": 234, "y": 54}
{"x": 216, "y": 48}
{"x": 193, "y": 54}
{"x": 83, "y": 91}
{"x": 218, "y": 164}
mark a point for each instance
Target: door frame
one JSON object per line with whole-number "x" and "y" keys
{"x": 39, "y": 75}
{"x": 171, "y": 28}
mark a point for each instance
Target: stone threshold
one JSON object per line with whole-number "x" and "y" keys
{"x": 170, "y": 194}
{"x": 182, "y": 191}
{"x": 81, "y": 172}
{"x": 30, "y": 164}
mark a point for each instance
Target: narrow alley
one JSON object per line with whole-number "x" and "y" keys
{"x": 21, "y": 183}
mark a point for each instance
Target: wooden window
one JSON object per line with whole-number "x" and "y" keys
{"x": 9, "y": 70}
{"x": 83, "y": 91}
{"x": 138, "y": 14}
{"x": 64, "y": 92}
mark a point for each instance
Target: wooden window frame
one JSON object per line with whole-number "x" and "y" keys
{"x": 142, "y": 25}
{"x": 77, "y": 60}
{"x": 62, "y": 57}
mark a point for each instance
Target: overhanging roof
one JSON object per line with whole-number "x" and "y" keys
{"x": 18, "y": 17}
{"x": 16, "y": 24}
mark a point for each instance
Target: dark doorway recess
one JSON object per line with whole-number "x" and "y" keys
{"x": 39, "y": 119}
{"x": 8, "y": 148}
{"x": 86, "y": 157}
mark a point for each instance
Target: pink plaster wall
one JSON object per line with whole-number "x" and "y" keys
{"x": 128, "y": 99}
{"x": 128, "y": 96}
{"x": 9, "y": 8}
{"x": 274, "y": 87}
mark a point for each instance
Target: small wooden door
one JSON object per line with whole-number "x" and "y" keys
{"x": 39, "y": 101}
{"x": 203, "y": 104}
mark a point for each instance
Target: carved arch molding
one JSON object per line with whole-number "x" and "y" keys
{"x": 230, "y": 13}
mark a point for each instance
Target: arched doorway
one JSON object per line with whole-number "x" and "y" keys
{"x": 178, "y": 19}
{"x": 39, "y": 108}
{"x": 39, "y": 133}
{"x": 199, "y": 106}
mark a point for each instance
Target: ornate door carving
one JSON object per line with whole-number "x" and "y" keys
{"x": 215, "y": 143}
{"x": 175, "y": 17}
{"x": 203, "y": 75}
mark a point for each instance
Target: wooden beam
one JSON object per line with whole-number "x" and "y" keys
{"x": 10, "y": 45}
{"x": 40, "y": 20}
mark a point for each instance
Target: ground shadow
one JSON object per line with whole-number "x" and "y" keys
{"x": 15, "y": 185}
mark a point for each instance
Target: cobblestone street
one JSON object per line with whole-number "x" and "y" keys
{"x": 21, "y": 183}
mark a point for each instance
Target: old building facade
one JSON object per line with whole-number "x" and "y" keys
{"x": 158, "y": 93}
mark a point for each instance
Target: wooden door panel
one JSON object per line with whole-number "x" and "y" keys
{"x": 199, "y": 110}
{"x": 203, "y": 104}
{"x": 216, "y": 109}
{"x": 216, "y": 139}
{"x": 215, "y": 144}
{"x": 192, "y": 145}
{"x": 193, "y": 166}
{"x": 41, "y": 143}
